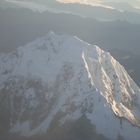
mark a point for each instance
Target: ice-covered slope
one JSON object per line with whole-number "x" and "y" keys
{"x": 63, "y": 77}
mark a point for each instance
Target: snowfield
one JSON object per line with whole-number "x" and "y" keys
{"x": 61, "y": 75}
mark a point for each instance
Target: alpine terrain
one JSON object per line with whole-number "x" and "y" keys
{"x": 59, "y": 87}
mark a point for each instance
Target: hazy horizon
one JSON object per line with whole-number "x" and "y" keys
{"x": 111, "y": 4}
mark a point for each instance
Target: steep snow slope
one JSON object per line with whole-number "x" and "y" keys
{"x": 59, "y": 75}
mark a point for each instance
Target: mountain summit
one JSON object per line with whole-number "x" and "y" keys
{"x": 58, "y": 84}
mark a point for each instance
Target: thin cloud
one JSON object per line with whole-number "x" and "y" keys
{"x": 87, "y": 2}
{"x": 103, "y": 3}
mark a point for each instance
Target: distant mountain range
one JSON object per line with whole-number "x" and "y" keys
{"x": 121, "y": 11}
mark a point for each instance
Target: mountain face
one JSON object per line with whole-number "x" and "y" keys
{"x": 61, "y": 87}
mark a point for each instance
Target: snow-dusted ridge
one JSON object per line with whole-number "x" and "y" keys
{"x": 63, "y": 74}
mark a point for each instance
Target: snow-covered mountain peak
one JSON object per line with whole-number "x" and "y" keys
{"x": 61, "y": 75}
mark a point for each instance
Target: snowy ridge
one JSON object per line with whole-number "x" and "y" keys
{"x": 114, "y": 83}
{"x": 60, "y": 74}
